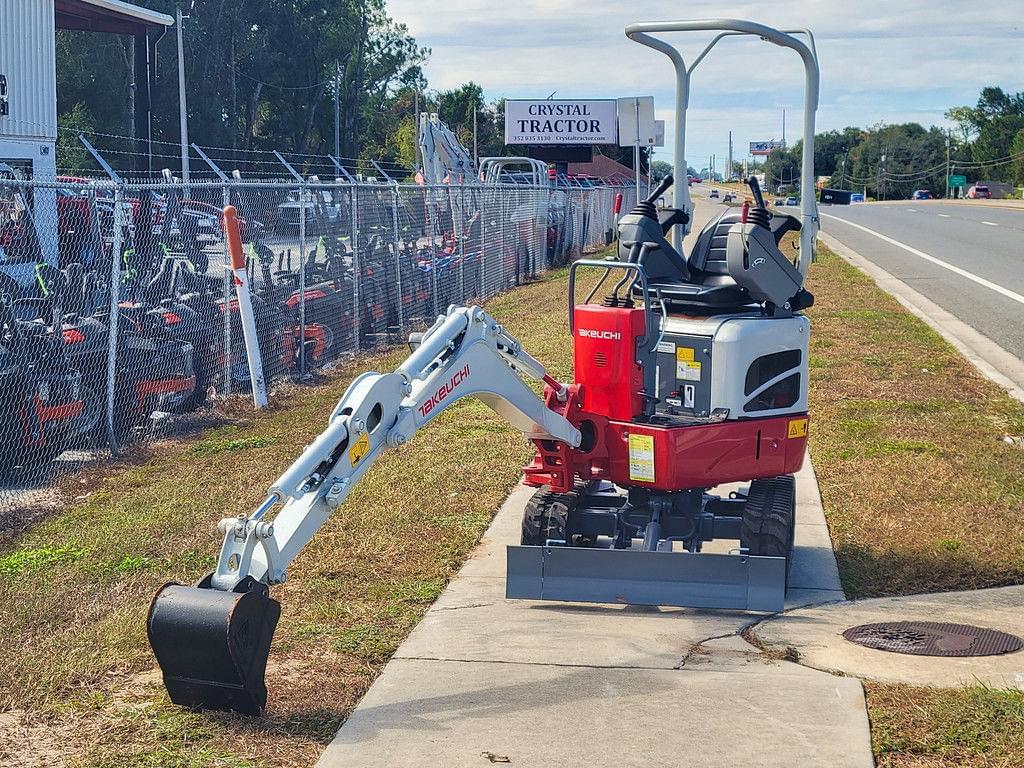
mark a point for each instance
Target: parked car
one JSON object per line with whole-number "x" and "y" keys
{"x": 921, "y": 194}
{"x": 729, "y": 197}
{"x": 979, "y": 192}
{"x": 792, "y": 201}
{"x": 714, "y": 194}
{"x": 857, "y": 197}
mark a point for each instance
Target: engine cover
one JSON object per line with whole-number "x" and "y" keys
{"x": 605, "y": 359}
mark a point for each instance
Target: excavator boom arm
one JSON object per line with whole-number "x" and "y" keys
{"x": 466, "y": 353}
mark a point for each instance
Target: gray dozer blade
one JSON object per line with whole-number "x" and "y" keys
{"x": 212, "y": 646}
{"x": 640, "y": 577}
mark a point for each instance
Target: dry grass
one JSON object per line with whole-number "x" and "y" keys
{"x": 78, "y": 684}
{"x": 973, "y": 727}
{"x": 920, "y": 491}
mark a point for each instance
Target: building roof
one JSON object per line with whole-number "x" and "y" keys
{"x": 107, "y": 16}
{"x": 602, "y": 166}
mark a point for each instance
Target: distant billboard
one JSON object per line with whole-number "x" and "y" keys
{"x": 560, "y": 121}
{"x": 765, "y": 147}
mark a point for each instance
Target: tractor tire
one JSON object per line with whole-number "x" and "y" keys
{"x": 547, "y": 514}
{"x": 769, "y": 518}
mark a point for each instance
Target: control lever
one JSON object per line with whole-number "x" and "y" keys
{"x": 660, "y": 189}
{"x": 755, "y": 190}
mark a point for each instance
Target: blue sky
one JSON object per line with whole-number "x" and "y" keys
{"x": 881, "y": 60}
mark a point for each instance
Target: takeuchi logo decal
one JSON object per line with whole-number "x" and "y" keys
{"x": 589, "y": 333}
{"x": 446, "y": 389}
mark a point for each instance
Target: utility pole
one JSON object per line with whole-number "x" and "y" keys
{"x": 337, "y": 108}
{"x": 881, "y": 172}
{"x": 783, "y": 127}
{"x": 947, "y": 163}
{"x": 728, "y": 170}
{"x": 476, "y": 155}
{"x": 182, "y": 109}
{"x": 416, "y": 107}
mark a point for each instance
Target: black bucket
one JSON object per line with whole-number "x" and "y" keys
{"x": 212, "y": 646}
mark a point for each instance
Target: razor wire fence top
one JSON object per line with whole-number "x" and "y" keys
{"x": 117, "y": 313}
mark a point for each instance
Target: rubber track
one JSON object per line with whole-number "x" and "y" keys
{"x": 769, "y": 517}
{"x": 546, "y": 514}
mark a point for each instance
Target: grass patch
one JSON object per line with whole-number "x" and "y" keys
{"x": 920, "y": 490}
{"x": 213, "y": 447}
{"x": 24, "y": 560}
{"x": 970, "y": 727}
{"x": 76, "y": 673}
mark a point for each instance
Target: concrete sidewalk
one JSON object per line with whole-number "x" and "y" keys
{"x": 482, "y": 679}
{"x": 816, "y": 634}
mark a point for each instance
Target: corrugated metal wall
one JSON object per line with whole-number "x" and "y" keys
{"x": 27, "y": 61}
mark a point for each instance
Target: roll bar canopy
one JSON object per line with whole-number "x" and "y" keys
{"x": 644, "y": 33}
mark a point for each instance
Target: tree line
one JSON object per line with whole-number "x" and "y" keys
{"x": 891, "y": 161}
{"x": 261, "y": 76}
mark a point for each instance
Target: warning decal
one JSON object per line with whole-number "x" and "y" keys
{"x": 797, "y": 428}
{"x": 687, "y": 369}
{"x": 641, "y": 458}
{"x": 359, "y": 450}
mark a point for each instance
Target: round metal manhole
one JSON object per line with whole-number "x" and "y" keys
{"x": 930, "y": 638}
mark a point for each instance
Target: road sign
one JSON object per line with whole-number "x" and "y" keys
{"x": 636, "y": 121}
{"x": 957, "y": 180}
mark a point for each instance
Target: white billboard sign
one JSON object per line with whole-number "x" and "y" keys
{"x": 560, "y": 121}
{"x": 636, "y": 121}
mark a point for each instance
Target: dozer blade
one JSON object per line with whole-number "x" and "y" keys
{"x": 212, "y": 646}
{"x": 636, "y": 577}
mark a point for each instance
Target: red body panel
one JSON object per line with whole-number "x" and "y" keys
{"x": 705, "y": 455}
{"x": 604, "y": 359}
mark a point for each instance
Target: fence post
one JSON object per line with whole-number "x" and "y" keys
{"x": 398, "y": 254}
{"x": 301, "y": 343}
{"x": 459, "y": 238}
{"x": 433, "y": 249}
{"x": 357, "y": 271}
{"x": 115, "y": 301}
{"x": 228, "y": 352}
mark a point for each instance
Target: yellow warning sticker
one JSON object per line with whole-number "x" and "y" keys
{"x": 641, "y": 458}
{"x": 687, "y": 369}
{"x": 360, "y": 449}
{"x": 797, "y": 428}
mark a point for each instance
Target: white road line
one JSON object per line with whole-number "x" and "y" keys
{"x": 990, "y": 223}
{"x": 944, "y": 216}
{"x": 938, "y": 262}
{"x": 912, "y": 210}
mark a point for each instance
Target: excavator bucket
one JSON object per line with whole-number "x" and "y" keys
{"x": 212, "y": 646}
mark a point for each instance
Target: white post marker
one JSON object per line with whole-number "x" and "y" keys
{"x": 241, "y": 281}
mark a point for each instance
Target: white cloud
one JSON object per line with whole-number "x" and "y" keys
{"x": 881, "y": 60}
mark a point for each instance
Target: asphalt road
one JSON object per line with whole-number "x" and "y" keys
{"x": 967, "y": 258}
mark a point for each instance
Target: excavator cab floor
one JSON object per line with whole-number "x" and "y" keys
{"x": 212, "y": 646}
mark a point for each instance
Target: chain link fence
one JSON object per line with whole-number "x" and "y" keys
{"x": 116, "y": 299}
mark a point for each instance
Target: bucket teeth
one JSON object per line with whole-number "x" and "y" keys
{"x": 212, "y": 646}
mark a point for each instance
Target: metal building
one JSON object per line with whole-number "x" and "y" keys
{"x": 28, "y": 81}
{"x": 28, "y": 77}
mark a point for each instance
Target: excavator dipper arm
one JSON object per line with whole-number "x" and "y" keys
{"x": 212, "y": 640}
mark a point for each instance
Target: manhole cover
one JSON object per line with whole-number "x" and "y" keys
{"x": 930, "y": 638}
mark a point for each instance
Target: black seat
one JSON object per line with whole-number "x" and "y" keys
{"x": 709, "y": 285}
